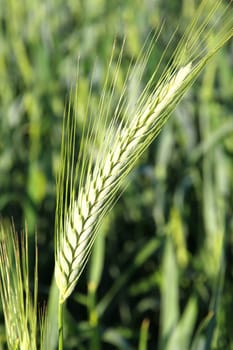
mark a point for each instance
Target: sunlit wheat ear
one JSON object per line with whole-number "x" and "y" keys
{"x": 19, "y": 307}
{"x": 98, "y": 174}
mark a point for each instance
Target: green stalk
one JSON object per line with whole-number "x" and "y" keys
{"x": 60, "y": 326}
{"x": 144, "y": 335}
{"x": 93, "y": 319}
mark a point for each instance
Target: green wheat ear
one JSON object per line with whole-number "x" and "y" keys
{"x": 19, "y": 306}
{"x": 101, "y": 167}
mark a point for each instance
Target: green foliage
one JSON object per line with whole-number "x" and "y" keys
{"x": 160, "y": 276}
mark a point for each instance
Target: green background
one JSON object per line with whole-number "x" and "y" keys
{"x": 161, "y": 273}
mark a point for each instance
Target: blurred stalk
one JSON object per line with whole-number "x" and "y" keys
{"x": 144, "y": 332}
{"x": 95, "y": 272}
{"x": 207, "y": 120}
{"x": 95, "y": 339}
{"x": 169, "y": 297}
{"x": 215, "y": 188}
{"x": 163, "y": 156}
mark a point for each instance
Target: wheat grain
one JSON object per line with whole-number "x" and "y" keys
{"x": 78, "y": 219}
{"x": 86, "y": 211}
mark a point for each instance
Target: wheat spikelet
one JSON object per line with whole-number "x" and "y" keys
{"x": 19, "y": 306}
{"x": 91, "y": 203}
{"x": 100, "y": 177}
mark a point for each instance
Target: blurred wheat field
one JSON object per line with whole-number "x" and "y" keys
{"x": 160, "y": 276}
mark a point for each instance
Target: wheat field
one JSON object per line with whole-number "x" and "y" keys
{"x": 116, "y": 134}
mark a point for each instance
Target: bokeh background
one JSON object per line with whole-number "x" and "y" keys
{"x": 161, "y": 273}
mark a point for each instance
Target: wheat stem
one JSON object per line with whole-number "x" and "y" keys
{"x": 60, "y": 326}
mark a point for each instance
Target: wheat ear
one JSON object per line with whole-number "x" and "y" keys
{"x": 19, "y": 306}
{"x": 100, "y": 177}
